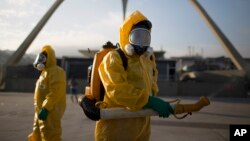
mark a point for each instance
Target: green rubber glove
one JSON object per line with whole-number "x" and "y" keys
{"x": 43, "y": 114}
{"x": 162, "y": 107}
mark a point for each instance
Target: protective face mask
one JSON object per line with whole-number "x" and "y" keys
{"x": 140, "y": 37}
{"x": 40, "y": 61}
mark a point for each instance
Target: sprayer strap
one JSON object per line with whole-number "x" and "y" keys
{"x": 123, "y": 57}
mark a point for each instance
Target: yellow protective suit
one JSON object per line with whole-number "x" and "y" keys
{"x": 50, "y": 93}
{"x": 127, "y": 88}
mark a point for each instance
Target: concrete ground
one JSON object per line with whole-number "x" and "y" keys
{"x": 210, "y": 124}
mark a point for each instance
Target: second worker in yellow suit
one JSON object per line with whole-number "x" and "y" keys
{"x": 132, "y": 88}
{"x": 49, "y": 98}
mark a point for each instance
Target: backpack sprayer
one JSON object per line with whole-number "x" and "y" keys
{"x": 94, "y": 107}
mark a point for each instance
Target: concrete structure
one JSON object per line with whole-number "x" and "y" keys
{"x": 223, "y": 40}
{"x": 231, "y": 51}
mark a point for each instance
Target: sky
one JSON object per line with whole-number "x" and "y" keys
{"x": 81, "y": 24}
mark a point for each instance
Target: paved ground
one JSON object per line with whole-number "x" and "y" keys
{"x": 210, "y": 124}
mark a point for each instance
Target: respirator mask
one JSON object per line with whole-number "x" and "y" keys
{"x": 140, "y": 39}
{"x": 40, "y": 61}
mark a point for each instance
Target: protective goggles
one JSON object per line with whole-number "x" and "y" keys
{"x": 40, "y": 58}
{"x": 140, "y": 37}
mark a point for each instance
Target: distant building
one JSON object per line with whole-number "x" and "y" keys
{"x": 202, "y": 64}
{"x": 159, "y": 55}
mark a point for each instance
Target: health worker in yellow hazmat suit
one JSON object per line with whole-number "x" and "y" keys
{"x": 49, "y": 98}
{"x": 133, "y": 88}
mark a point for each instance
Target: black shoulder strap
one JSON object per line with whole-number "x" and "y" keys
{"x": 124, "y": 63}
{"x": 123, "y": 57}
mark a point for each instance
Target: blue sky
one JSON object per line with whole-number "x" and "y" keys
{"x": 82, "y": 24}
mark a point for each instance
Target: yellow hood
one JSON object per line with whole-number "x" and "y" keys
{"x": 127, "y": 25}
{"x": 51, "y": 57}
